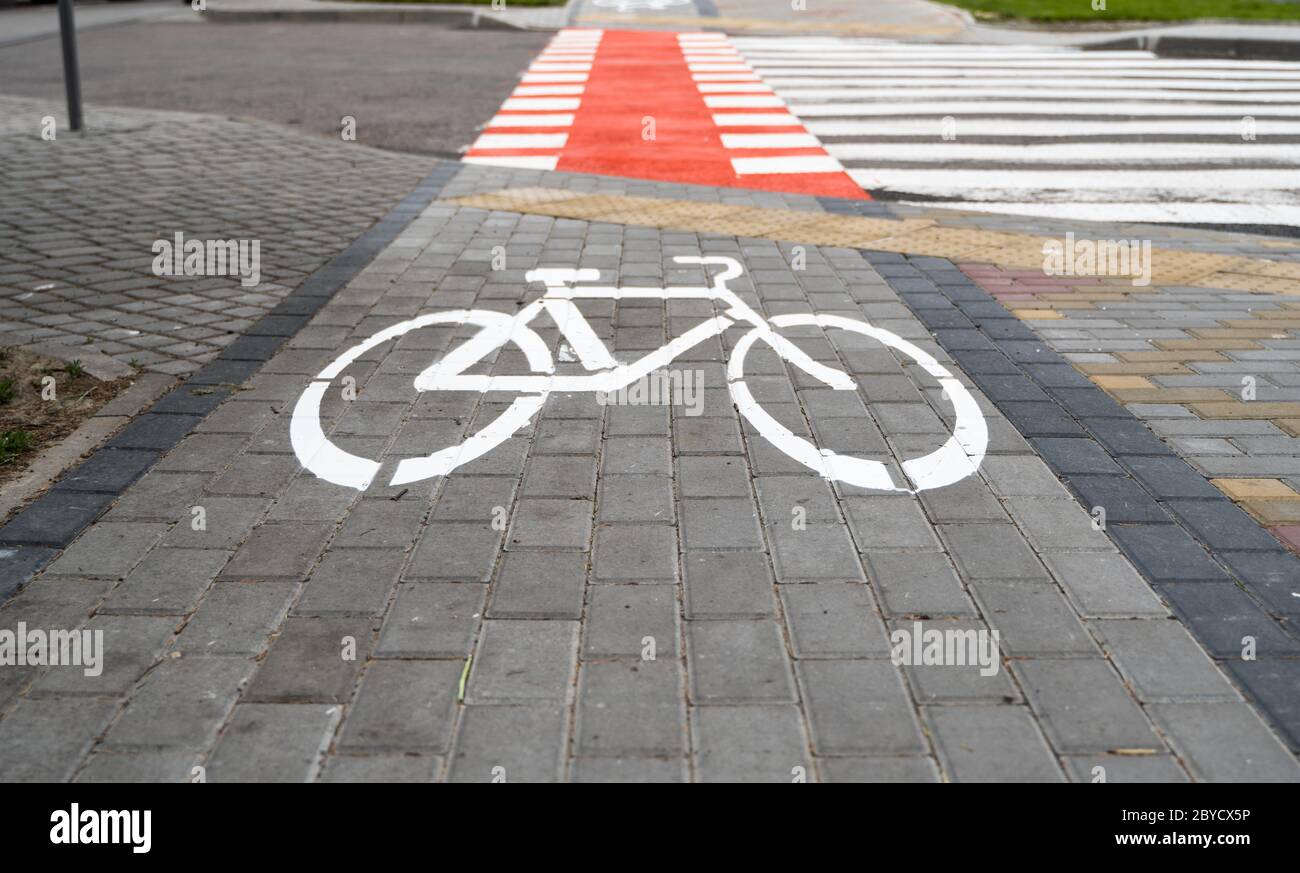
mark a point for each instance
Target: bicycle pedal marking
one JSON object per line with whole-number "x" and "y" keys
{"x": 959, "y": 457}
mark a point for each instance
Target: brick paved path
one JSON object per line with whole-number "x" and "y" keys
{"x": 80, "y": 215}
{"x": 495, "y": 623}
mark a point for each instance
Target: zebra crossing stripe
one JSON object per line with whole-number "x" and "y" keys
{"x": 531, "y": 128}
{"x": 1044, "y": 130}
{"x": 1067, "y": 153}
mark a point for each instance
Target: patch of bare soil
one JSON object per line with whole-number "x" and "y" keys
{"x": 36, "y": 413}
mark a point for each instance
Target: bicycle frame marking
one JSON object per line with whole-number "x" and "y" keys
{"x": 959, "y": 457}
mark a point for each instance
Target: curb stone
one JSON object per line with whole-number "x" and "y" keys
{"x": 1220, "y": 601}
{"x": 30, "y": 539}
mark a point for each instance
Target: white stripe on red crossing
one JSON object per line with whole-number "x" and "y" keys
{"x": 653, "y": 104}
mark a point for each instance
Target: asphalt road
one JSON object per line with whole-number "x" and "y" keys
{"x": 411, "y": 88}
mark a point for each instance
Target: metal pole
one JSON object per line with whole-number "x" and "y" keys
{"x": 71, "y": 72}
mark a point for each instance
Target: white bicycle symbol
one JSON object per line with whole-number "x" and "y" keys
{"x": 956, "y": 459}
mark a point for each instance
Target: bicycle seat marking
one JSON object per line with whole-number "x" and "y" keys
{"x": 956, "y": 459}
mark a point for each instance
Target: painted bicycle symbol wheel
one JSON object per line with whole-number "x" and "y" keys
{"x": 959, "y": 457}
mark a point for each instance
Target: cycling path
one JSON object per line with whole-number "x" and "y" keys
{"x": 632, "y": 589}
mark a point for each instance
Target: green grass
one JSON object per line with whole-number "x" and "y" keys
{"x": 74, "y": 368}
{"x": 13, "y": 443}
{"x": 7, "y": 391}
{"x": 1130, "y": 10}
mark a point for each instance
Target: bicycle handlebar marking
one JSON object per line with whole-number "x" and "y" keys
{"x": 958, "y": 458}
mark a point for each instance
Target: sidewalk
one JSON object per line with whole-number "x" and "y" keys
{"x": 634, "y": 592}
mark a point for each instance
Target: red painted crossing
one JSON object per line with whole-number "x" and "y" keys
{"x": 657, "y": 105}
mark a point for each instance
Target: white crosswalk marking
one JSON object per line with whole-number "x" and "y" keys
{"x": 1046, "y": 131}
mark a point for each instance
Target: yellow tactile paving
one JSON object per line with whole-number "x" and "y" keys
{"x": 1255, "y": 489}
{"x": 1171, "y": 357}
{"x": 1113, "y": 383}
{"x": 1183, "y": 396}
{"x": 1154, "y": 368}
{"x": 1245, "y": 409}
{"x": 1036, "y": 314}
{"x": 1273, "y": 511}
{"x": 920, "y": 236}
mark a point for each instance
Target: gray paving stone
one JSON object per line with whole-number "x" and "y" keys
{"x": 236, "y": 618}
{"x": 386, "y": 769}
{"x": 1051, "y": 525}
{"x": 833, "y": 620}
{"x": 432, "y": 620}
{"x": 181, "y": 705}
{"x": 966, "y": 500}
{"x": 510, "y": 744}
{"x": 309, "y": 661}
{"x": 1125, "y": 768}
{"x": 131, "y": 645}
{"x": 945, "y": 683}
{"x": 1161, "y": 662}
{"x": 273, "y": 742}
{"x": 720, "y": 523}
{"x": 1071, "y": 456}
{"x": 167, "y": 582}
{"x": 541, "y": 585}
{"x": 889, "y": 522}
{"x": 1021, "y": 476}
{"x": 455, "y": 551}
{"x": 523, "y": 661}
{"x": 351, "y": 582}
{"x": 991, "y": 744}
{"x": 254, "y": 475}
{"x": 738, "y": 662}
{"x": 159, "y": 497}
{"x": 1225, "y": 742}
{"x": 991, "y": 551}
{"x": 749, "y": 744}
{"x": 917, "y": 583}
{"x": 225, "y": 522}
{"x": 403, "y": 706}
{"x": 45, "y": 740}
{"x": 1102, "y": 585}
{"x": 640, "y": 553}
{"x": 629, "y": 770}
{"x": 728, "y": 585}
{"x": 1224, "y": 616}
{"x": 473, "y": 498}
{"x": 631, "y": 707}
{"x": 712, "y": 476}
{"x": 554, "y": 523}
{"x": 1033, "y": 618}
{"x": 648, "y": 455}
{"x": 279, "y": 550}
{"x": 878, "y": 770}
{"x": 107, "y": 549}
{"x": 636, "y": 498}
{"x": 1083, "y": 707}
{"x": 386, "y": 524}
{"x": 1123, "y": 500}
{"x": 621, "y": 617}
{"x": 571, "y": 477}
{"x": 1269, "y": 682}
{"x": 815, "y": 553}
{"x": 141, "y": 767}
{"x": 859, "y": 708}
